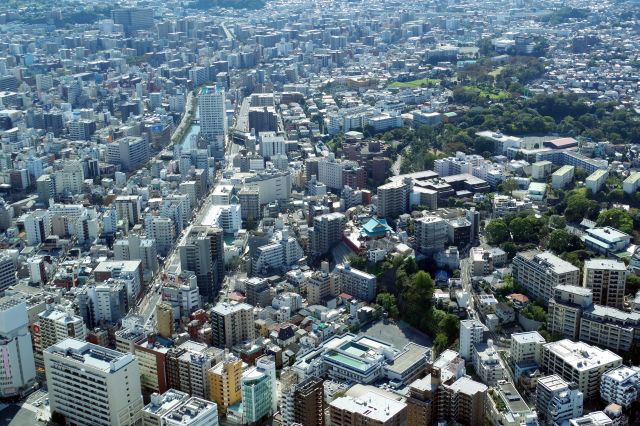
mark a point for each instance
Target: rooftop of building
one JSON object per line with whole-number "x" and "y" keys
{"x": 512, "y": 397}
{"x": 553, "y": 382}
{"x": 190, "y": 411}
{"x": 90, "y": 355}
{"x": 371, "y": 405}
{"x": 550, "y": 260}
{"x": 468, "y": 386}
{"x": 623, "y": 373}
{"x": 527, "y": 337}
{"x": 609, "y": 264}
{"x": 226, "y": 308}
{"x": 607, "y": 234}
{"x": 580, "y": 355}
{"x": 161, "y": 404}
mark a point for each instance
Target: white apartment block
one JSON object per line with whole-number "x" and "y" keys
{"x": 562, "y": 177}
{"x": 37, "y": 225}
{"x": 272, "y": 144}
{"x": 213, "y": 117}
{"x": 92, "y": 385}
{"x": 526, "y": 346}
{"x": 540, "y": 272}
{"x": 579, "y": 362}
{"x": 330, "y": 172}
{"x": 471, "y": 332}
{"x": 461, "y": 163}
{"x": 606, "y": 278}
{"x": 595, "y": 180}
{"x": 609, "y": 328}
{"x": 355, "y": 282}
{"x": 557, "y": 400}
{"x": 632, "y": 183}
{"x": 487, "y": 363}
{"x": 621, "y": 385}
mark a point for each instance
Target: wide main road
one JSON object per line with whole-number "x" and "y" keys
{"x": 146, "y": 306}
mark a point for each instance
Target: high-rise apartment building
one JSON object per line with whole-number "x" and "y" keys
{"x": 213, "y": 118}
{"x": 394, "y": 197}
{"x": 446, "y": 394}
{"x": 540, "y": 272}
{"x": 565, "y": 310}
{"x": 557, "y": 400}
{"x": 232, "y": 323}
{"x": 17, "y": 369}
{"x": 57, "y": 323}
{"x": 224, "y": 382}
{"x": 431, "y": 234}
{"x": 37, "y": 225}
{"x": 92, "y": 385}
{"x": 321, "y": 287}
{"x": 202, "y": 251}
{"x": 355, "y": 282}
{"x": 164, "y": 320}
{"x": 163, "y": 231}
{"x": 326, "y": 232}
{"x": 249, "y": 200}
{"x": 471, "y": 332}
{"x": 606, "y": 278}
{"x": 187, "y": 367}
{"x": 579, "y": 362}
{"x": 7, "y": 272}
{"x": 301, "y": 401}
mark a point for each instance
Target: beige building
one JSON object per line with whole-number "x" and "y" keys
{"x": 540, "y": 272}
{"x": 164, "y": 320}
{"x": 224, "y": 383}
{"x": 607, "y": 279}
{"x": 565, "y": 310}
{"x": 609, "y": 327}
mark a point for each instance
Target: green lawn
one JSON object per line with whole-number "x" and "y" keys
{"x": 415, "y": 83}
{"x": 493, "y": 95}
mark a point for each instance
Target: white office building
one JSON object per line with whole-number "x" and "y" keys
{"x": 92, "y": 385}
{"x": 471, "y": 332}
{"x": 271, "y": 144}
{"x": 37, "y": 225}
{"x": 213, "y": 118}
{"x": 17, "y": 369}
